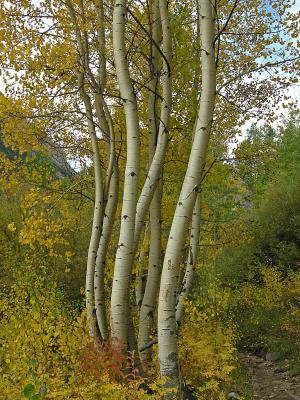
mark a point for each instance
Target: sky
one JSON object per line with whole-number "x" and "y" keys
{"x": 293, "y": 92}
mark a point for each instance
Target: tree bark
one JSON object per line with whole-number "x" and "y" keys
{"x": 147, "y": 309}
{"x": 191, "y": 262}
{"x": 97, "y": 216}
{"x": 111, "y": 189}
{"x": 167, "y": 339}
{"x": 123, "y": 263}
{"x": 140, "y": 276}
{"x": 108, "y": 221}
{"x": 163, "y": 131}
{"x": 99, "y": 187}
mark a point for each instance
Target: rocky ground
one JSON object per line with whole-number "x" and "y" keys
{"x": 271, "y": 379}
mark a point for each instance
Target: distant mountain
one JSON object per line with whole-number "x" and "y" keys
{"x": 58, "y": 158}
{"x": 52, "y": 154}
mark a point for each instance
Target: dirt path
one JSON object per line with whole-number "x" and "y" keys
{"x": 271, "y": 380}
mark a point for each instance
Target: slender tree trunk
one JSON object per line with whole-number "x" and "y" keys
{"x": 167, "y": 340}
{"x": 147, "y": 309}
{"x": 97, "y": 216}
{"x": 111, "y": 200}
{"x": 101, "y": 44}
{"x": 99, "y": 187}
{"x": 191, "y": 261}
{"x": 108, "y": 221}
{"x": 105, "y": 123}
{"x": 141, "y": 278}
{"x": 124, "y": 257}
{"x": 155, "y": 169}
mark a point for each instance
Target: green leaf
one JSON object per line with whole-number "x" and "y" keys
{"x": 28, "y": 391}
{"x": 33, "y": 362}
{"x": 35, "y": 397}
{"x": 43, "y": 391}
{"x": 34, "y": 375}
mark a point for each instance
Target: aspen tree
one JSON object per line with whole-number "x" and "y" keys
{"x": 191, "y": 261}
{"x": 99, "y": 187}
{"x": 167, "y": 341}
{"x": 105, "y": 209}
{"x": 111, "y": 191}
{"x": 146, "y": 317}
{"x": 163, "y": 130}
{"x": 124, "y": 256}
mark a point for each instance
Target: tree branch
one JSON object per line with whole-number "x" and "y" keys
{"x": 148, "y": 345}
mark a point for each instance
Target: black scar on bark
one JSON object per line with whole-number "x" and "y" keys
{"x": 172, "y": 356}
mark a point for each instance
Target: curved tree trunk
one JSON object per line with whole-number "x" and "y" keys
{"x": 155, "y": 169}
{"x": 108, "y": 221}
{"x": 167, "y": 340}
{"x": 97, "y": 217}
{"x": 123, "y": 264}
{"x": 140, "y": 276}
{"x": 111, "y": 189}
{"x": 147, "y": 307}
{"x": 191, "y": 262}
{"x": 99, "y": 187}
{"x": 147, "y": 310}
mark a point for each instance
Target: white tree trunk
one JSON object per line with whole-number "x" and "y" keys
{"x": 108, "y": 221}
{"x": 147, "y": 309}
{"x": 99, "y": 187}
{"x": 167, "y": 340}
{"x": 112, "y": 176}
{"x": 111, "y": 192}
{"x": 97, "y": 216}
{"x": 123, "y": 263}
{"x": 155, "y": 169}
{"x": 191, "y": 262}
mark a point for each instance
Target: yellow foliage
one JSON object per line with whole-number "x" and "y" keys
{"x": 273, "y": 305}
{"x": 39, "y": 227}
{"x": 11, "y": 227}
{"x": 45, "y": 345}
{"x": 207, "y": 353}
{"x": 268, "y": 295}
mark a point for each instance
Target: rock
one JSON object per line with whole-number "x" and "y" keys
{"x": 232, "y": 395}
{"x": 280, "y": 369}
{"x": 259, "y": 361}
{"x": 292, "y": 395}
{"x": 260, "y": 350}
{"x": 271, "y": 357}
